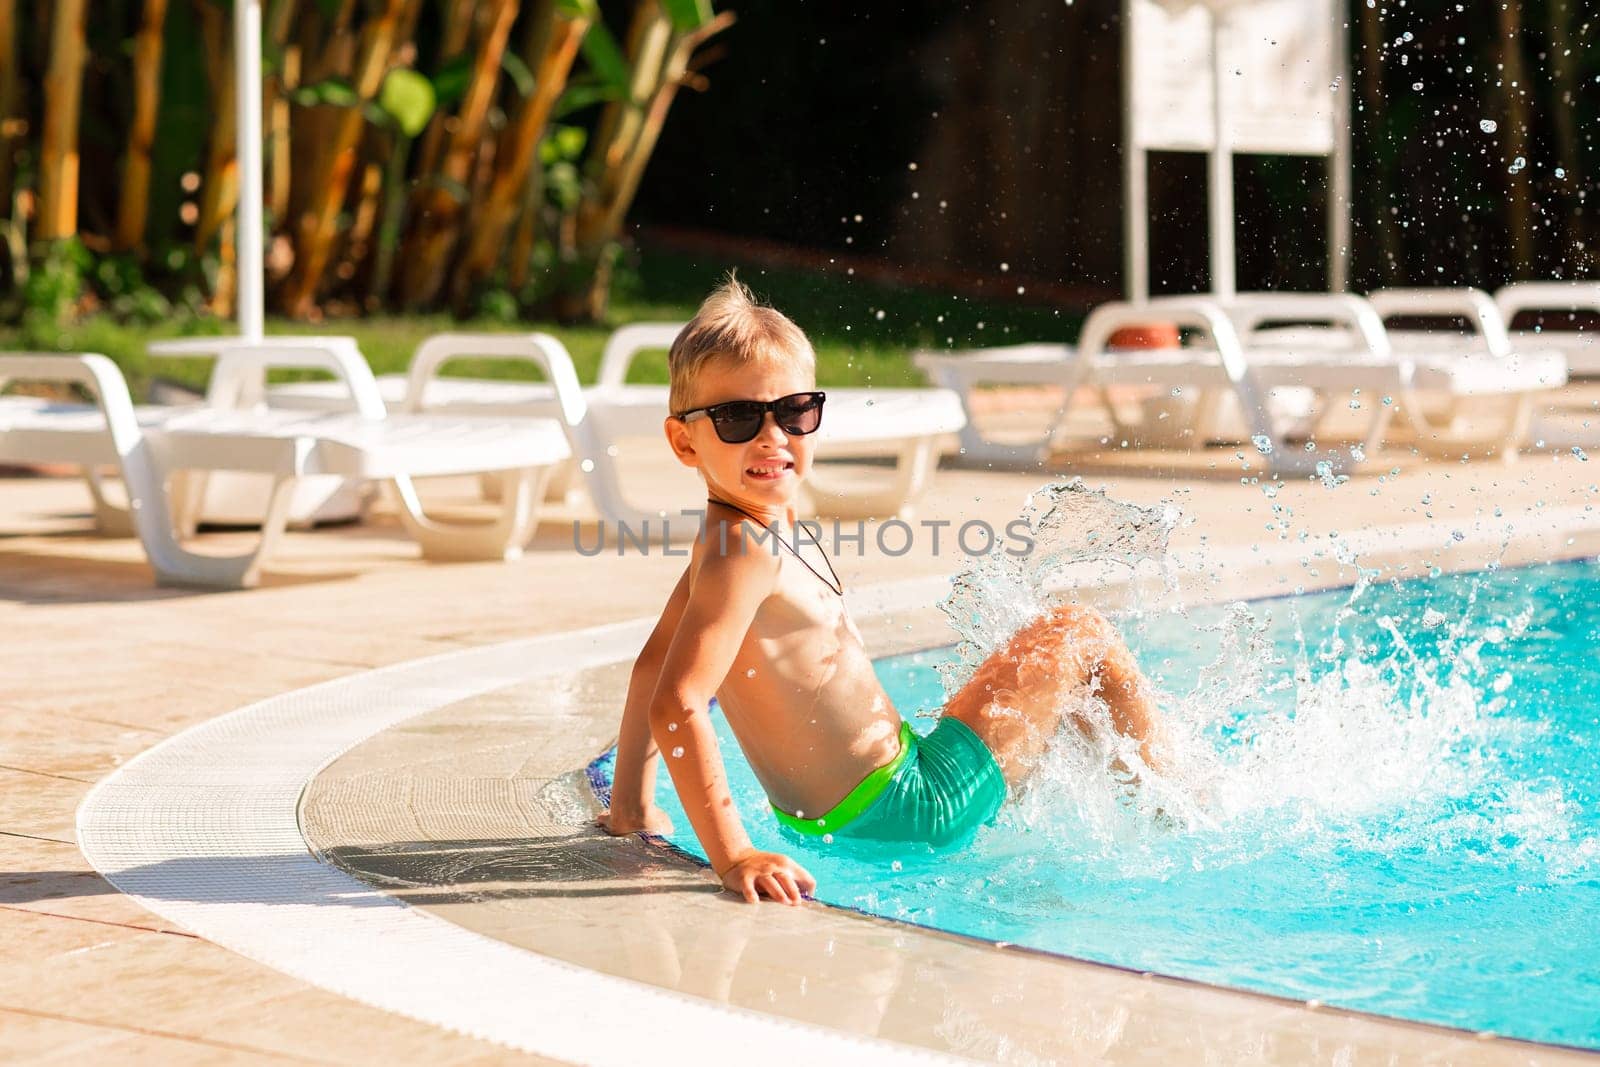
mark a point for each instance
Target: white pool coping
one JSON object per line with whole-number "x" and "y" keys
{"x": 202, "y": 829}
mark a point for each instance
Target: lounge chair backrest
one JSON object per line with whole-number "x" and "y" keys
{"x": 1473, "y": 306}
{"x": 239, "y": 378}
{"x": 1518, "y": 297}
{"x": 1253, "y": 312}
{"x": 542, "y": 350}
{"x": 628, "y": 342}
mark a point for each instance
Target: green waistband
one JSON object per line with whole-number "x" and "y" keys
{"x": 858, "y": 799}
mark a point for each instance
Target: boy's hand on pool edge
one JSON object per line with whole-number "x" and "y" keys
{"x": 771, "y": 875}
{"x": 620, "y": 823}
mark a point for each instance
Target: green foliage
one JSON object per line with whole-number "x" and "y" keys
{"x": 330, "y": 92}
{"x": 687, "y": 14}
{"x": 408, "y": 98}
{"x": 610, "y": 66}
{"x": 451, "y": 81}
{"x": 840, "y": 314}
{"x": 55, "y": 282}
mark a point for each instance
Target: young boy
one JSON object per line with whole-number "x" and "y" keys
{"x": 764, "y": 630}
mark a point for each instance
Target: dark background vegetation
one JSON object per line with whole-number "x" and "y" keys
{"x": 1011, "y": 110}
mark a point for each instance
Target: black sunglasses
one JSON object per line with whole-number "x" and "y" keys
{"x": 738, "y": 421}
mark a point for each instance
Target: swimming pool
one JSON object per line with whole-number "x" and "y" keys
{"x": 1400, "y": 811}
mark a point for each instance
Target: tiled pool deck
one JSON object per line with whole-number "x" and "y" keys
{"x": 469, "y": 811}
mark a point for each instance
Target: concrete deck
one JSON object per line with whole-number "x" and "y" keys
{"x": 98, "y": 665}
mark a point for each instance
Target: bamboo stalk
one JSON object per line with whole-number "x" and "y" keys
{"x": 134, "y": 208}
{"x": 315, "y": 229}
{"x": 219, "y": 187}
{"x": 457, "y": 33}
{"x": 599, "y": 219}
{"x": 275, "y": 106}
{"x": 10, "y": 90}
{"x": 63, "y": 96}
{"x": 437, "y": 208}
{"x": 520, "y": 148}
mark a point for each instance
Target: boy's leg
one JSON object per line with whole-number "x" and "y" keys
{"x": 1017, "y": 698}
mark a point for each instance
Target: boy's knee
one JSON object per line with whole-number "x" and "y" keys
{"x": 1077, "y": 621}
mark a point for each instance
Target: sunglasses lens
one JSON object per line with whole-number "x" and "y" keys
{"x": 737, "y": 422}
{"x": 799, "y": 414}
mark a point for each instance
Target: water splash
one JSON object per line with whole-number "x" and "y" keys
{"x": 1071, "y": 525}
{"x": 1387, "y": 717}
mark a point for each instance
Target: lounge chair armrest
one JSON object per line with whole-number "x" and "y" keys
{"x": 1547, "y": 296}
{"x": 628, "y": 342}
{"x": 241, "y": 370}
{"x": 96, "y": 372}
{"x": 1474, "y": 306}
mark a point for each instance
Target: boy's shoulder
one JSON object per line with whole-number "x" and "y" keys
{"x": 735, "y": 548}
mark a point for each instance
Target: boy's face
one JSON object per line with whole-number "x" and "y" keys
{"x": 763, "y": 472}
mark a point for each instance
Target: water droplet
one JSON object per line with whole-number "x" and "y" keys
{"x": 751, "y": 673}
{"x": 672, "y": 727}
{"x": 588, "y": 466}
{"x": 1580, "y": 453}
{"x": 879, "y": 315}
{"x": 1501, "y": 683}
{"x": 827, "y": 839}
{"x": 896, "y": 866}
{"x": 1262, "y": 442}
{"x": 677, "y": 753}
{"x": 1488, "y": 125}
{"x": 1517, "y": 165}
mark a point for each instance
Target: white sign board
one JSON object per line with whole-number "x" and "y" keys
{"x": 1277, "y": 72}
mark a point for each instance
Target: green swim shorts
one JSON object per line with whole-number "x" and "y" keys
{"x": 938, "y": 790}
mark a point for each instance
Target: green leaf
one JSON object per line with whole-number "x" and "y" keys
{"x": 334, "y": 92}
{"x": 409, "y": 99}
{"x": 687, "y": 14}
{"x": 605, "y": 58}
{"x": 578, "y": 97}
{"x": 518, "y": 72}
{"x": 563, "y": 143}
{"x": 578, "y": 9}
{"x": 450, "y": 84}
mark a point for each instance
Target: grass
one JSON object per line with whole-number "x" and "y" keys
{"x": 863, "y": 332}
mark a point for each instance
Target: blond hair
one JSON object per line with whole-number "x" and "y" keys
{"x": 731, "y": 324}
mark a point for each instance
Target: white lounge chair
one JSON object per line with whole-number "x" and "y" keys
{"x": 233, "y": 498}
{"x": 905, "y": 424}
{"x": 148, "y": 445}
{"x": 1246, "y": 372}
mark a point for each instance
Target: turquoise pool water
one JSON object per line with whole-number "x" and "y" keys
{"x": 1399, "y": 811}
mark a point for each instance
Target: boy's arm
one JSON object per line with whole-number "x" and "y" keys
{"x": 719, "y": 610}
{"x": 633, "y": 785}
